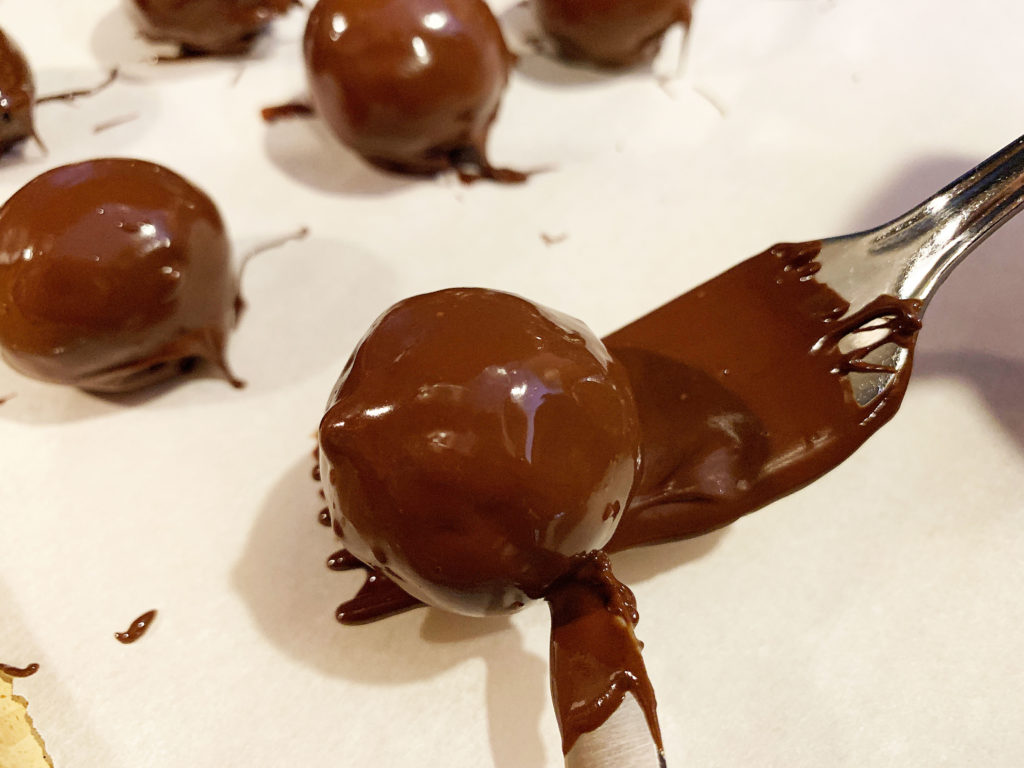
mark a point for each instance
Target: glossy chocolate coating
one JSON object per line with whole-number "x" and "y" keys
{"x": 114, "y": 274}
{"x": 17, "y": 96}
{"x": 611, "y": 33}
{"x": 411, "y": 85}
{"x": 474, "y": 443}
{"x": 207, "y": 26}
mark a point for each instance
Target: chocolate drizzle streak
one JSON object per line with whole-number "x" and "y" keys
{"x": 595, "y": 655}
{"x": 285, "y": 111}
{"x": 137, "y": 629}
{"x": 11, "y": 671}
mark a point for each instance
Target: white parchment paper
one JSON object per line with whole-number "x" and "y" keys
{"x": 873, "y": 619}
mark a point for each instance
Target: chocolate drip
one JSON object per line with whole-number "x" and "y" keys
{"x": 343, "y": 560}
{"x": 378, "y": 598}
{"x": 286, "y": 111}
{"x": 78, "y": 92}
{"x": 11, "y": 671}
{"x": 137, "y": 629}
{"x": 743, "y": 395}
{"x": 324, "y": 517}
{"x": 595, "y": 655}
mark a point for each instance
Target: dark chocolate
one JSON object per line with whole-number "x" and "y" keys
{"x": 411, "y": 86}
{"x": 137, "y": 629}
{"x": 474, "y": 444}
{"x": 12, "y": 671}
{"x": 207, "y": 26}
{"x": 17, "y": 96}
{"x": 610, "y": 33}
{"x": 114, "y": 274}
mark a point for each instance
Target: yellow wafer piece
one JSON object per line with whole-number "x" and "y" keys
{"x": 20, "y": 745}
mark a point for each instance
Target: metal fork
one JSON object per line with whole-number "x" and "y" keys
{"x": 912, "y": 255}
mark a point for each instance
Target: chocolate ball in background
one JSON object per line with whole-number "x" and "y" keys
{"x": 411, "y": 85}
{"x": 207, "y": 26}
{"x": 114, "y": 274}
{"x": 610, "y": 33}
{"x": 474, "y": 443}
{"x": 17, "y": 96}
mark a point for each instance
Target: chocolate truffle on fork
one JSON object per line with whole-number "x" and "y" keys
{"x": 479, "y": 450}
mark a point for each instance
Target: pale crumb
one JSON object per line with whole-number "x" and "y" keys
{"x": 553, "y": 239}
{"x": 21, "y": 746}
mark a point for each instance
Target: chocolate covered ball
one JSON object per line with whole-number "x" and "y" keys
{"x": 114, "y": 274}
{"x": 17, "y": 96}
{"x": 611, "y": 33}
{"x": 474, "y": 443}
{"x": 207, "y": 26}
{"x": 411, "y": 85}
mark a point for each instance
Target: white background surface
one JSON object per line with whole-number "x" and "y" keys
{"x": 874, "y": 619}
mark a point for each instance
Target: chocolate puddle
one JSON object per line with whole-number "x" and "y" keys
{"x": 137, "y": 629}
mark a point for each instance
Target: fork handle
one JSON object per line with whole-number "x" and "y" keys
{"x": 951, "y": 223}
